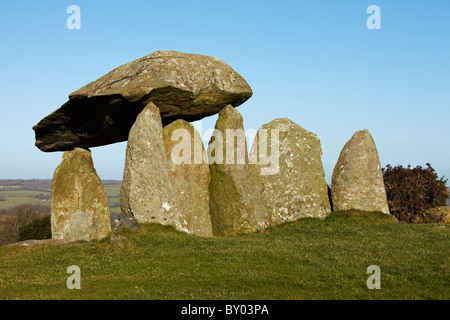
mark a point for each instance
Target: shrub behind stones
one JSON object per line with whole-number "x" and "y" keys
{"x": 413, "y": 191}
{"x": 36, "y": 230}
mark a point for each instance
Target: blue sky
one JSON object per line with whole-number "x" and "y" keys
{"x": 314, "y": 62}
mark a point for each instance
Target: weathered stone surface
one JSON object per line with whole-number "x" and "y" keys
{"x": 148, "y": 192}
{"x": 190, "y": 170}
{"x": 79, "y": 205}
{"x": 237, "y": 205}
{"x": 294, "y": 184}
{"x": 183, "y": 86}
{"x": 357, "y": 181}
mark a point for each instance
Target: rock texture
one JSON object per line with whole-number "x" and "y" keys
{"x": 79, "y": 205}
{"x": 294, "y": 183}
{"x": 183, "y": 86}
{"x": 190, "y": 170}
{"x": 357, "y": 181}
{"x": 237, "y": 205}
{"x": 148, "y": 192}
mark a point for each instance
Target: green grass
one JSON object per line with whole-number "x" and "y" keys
{"x": 307, "y": 259}
{"x": 113, "y": 189}
{"x": 113, "y": 193}
{"x": 15, "y": 201}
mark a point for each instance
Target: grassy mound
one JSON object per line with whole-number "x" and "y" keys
{"x": 306, "y": 259}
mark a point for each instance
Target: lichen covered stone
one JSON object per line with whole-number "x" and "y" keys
{"x": 79, "y": 207}
{"x": 183, "y": 86}
{"x": 190, "y": 170}
{"x": 148, "y": 191}
{"x": 237, "y": 205}
{"x": 287, "y": 159}
{"x": 357, "y": 181}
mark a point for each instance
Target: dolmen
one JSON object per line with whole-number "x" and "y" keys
{"x": 170, "y": 177}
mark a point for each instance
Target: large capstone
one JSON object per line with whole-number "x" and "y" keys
{"x": 148, "y": 191}
{"x": 287, "y": 159}
{"x": 357, "y": 181}
{"x": 190, "y": 170}
{"x": 183, "y": 86}
{"x": 237, "y": 205}
{"x": 79, "y": 207}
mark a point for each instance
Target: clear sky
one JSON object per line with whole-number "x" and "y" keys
{"x": 315, "y": 62}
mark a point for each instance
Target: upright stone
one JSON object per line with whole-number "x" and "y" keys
{"x": 148, "y": 192}
{"x": 237, "y": 205}
{"x": 357, "y": 181}
{"x": 288, "y": 160}
{"x": 190, "y": 170}
{"x": 79, "y": 207}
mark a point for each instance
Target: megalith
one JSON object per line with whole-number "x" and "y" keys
{"x": 236, "y": 203}
{"x": 148, "y": 191}
{"x": 288, "y": 160}
{"x": 182, "y": 85}
{"x": 190, "y": 170}
{"x": 357, "y": 181}
{"x": 79, "y": 207}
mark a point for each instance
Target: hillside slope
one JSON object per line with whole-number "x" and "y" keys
{"x": 307, "y": 259}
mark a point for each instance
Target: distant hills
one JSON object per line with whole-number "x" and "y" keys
{"x": 15, "y": 192}
{"x": 33, "y": 191}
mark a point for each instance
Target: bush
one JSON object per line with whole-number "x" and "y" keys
{"x": 15, "y": 218}
{"x": 411, "y": 192}
{"x": 36, "y": 230}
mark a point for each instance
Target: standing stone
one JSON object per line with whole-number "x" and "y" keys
{"x": 291, "y": 171}
{"x": 237, "y": 205}
{"x": 148, "y": 192}
{"x": 190, "y": 170}
{"x": 357, "y": 181}
{"x": 79, "y": 205}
